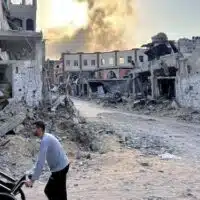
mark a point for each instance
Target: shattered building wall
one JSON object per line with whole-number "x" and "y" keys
{"x": 3, "y": 15}
{"x": 22, "y": 59}
{"x": 27, "y": 75}
{"x": 188, "y": 81}
{"x": 106, "y": 65}
{"x": 23, "y": 14}
{"x": 27, "y": 82}
{"x": 187, "y": 45}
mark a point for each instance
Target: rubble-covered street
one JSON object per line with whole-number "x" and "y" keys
{"x": 124, "y": 104}
{"x": 141, "y": 157}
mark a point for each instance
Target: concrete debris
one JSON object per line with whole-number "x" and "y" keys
{"x": 149, "y": 145}
{"x": 154, "y": 198}
{"x": 19, "y": 147}
{"x": 114, "y": 97}
{"x": 175, "y": 105}
{"x": 1, "y": 94}
{"x": 160, "y": 108}
{"x": 3, "y": 103}
{"x": 4, "y": 142}
{"x": 168, "y": 156}
{"x": 12, "y": 123}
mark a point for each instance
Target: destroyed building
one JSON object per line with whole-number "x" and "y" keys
{"x": 173, "y": 72}
{"x": 23, "y": 14}
{"x": 54, "y": 71}
{"x": 157, "y": 77}
{"x": 21, "y": 59}
{"x": 187, "y": 46}
{"x": 88, "y": 71}
{"x": 160, "y": 69}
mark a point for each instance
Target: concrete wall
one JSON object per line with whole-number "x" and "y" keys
{"x": 107, "y": 59}
{"x": 27, "y": 82}
{"x": 122, "y": 58}
{"x": 140, "y": 55}
{"x": 27, "y": 78}
{"x": 116, "y": 85}
{"x": 124, "y": 72}
{"x": 186, "y": 45}
{"x": 104, "y": 60}
{"x": 91, "y": 60}
{"x": 3, "y": 20}
{"x": 24, "y": 11}
{"x": 20, "y": 49}
{"x": 58, "y": 71}
{"x": 105, "y": 73}
{"x": 194, "y": 61}
{"x": 8, "y": 74}
{"x": 188, "y": 91}
{"x": 68, "y": 61}
{"x": 188, "y": 81}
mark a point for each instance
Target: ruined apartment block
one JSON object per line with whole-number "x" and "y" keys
{"x": 112, "y": 68}
{"x": 54, "y": 72}
{"x": 173, "y": 71}
{"x": 160, "y": 69}
{"x": 22, "y": 58}
{"x": 104, "y": 65}
{"x": 23, "y": 14}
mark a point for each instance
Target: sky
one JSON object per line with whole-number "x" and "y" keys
{"x": 177, "y": 18}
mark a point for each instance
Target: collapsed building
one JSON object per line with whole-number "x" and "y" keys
{"x": 160, "y": 69}
{"x": 172, "y": 70}
{"x": 22, "y": 54}
{"x": 101, "y": 72}
{"x": 54, "y": 70}
{"x": 157, "y": 77}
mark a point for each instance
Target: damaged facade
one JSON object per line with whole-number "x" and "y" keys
{"x": 89, "y": 72}
{"x": 21, "y": 58}
{"x": 160, "y": 69}
{"x": 54, "y": 71}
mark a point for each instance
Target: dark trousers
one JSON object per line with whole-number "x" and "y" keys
{"x": 56, "y": 186}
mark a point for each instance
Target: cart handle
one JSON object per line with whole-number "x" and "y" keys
{"x": 6, "y": 188}
{"x": 7, "y": 177}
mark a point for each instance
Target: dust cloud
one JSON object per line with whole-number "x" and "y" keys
{"x": 110, "y": 26}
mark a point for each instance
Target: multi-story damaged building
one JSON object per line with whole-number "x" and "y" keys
{"x": 23, "y": 14}
{"x": 187, "y": 46}
{"x": 162, "y": 68}
{"x": 172, "y": 73}
{"x": 157, "y": 77}
{"x": 21, "y": 58}
{"x": 54, "y": 70}
{"x": 104, "y": 65}
{"x": 111, "y": 68}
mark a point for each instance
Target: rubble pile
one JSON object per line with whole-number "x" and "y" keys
{"x": 149, "y": 145}
{"x": 18, "y": 146}
{"x": 161, "y": 108}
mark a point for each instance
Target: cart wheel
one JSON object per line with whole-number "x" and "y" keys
{"x": 4, "y": 196}
{"x": 21, "y": 194}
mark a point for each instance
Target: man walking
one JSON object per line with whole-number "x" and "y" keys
{"x": 52, "y": 151}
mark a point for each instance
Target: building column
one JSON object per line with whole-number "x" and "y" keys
{"x": 153, "y": 84}
{"x": 116, "y": 59}
{"x": 134, "y": 94}
{"x": 24, "y": 24}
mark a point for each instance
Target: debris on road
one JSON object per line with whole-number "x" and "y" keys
{"x": 19, "y": 147}
{"x": 168, "y": 156}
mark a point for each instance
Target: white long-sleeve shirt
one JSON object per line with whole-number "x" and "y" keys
{"x": 51, "y": 151}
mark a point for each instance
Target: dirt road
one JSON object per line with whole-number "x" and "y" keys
{"x": 128, "y": 174}
{"x": 181, "y": 138}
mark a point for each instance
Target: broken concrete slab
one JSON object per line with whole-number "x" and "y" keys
{"x": 12, "y": 123}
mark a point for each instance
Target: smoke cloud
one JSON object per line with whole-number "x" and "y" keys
{"x": 110, "y": 26}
